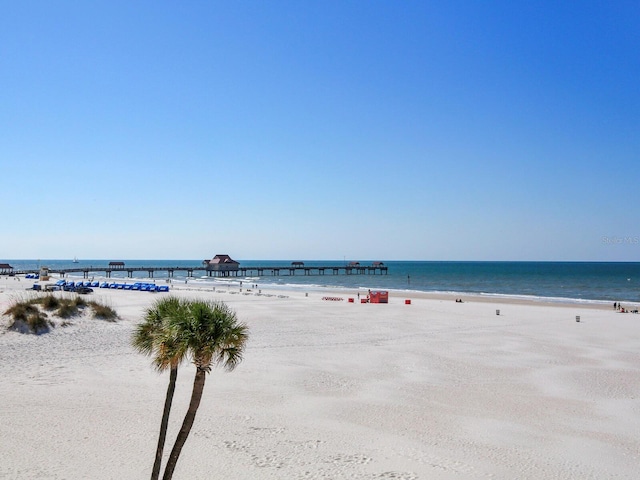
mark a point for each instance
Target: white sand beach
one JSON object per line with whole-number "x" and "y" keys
{"x": 334, "y": 390}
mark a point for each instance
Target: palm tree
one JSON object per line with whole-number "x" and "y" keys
{"x": 211, "y": 334}
{"x": 153, "y": 337}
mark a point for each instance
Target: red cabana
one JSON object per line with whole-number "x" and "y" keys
{"x": 380, "y": 296}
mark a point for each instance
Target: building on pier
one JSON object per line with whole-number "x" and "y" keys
{"x": 6, "y": 269}
{"x": 223, "y": 265}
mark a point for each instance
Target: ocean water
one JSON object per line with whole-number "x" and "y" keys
{"x": 556, "y": 281}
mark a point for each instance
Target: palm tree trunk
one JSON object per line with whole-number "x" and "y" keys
{"x": 196, "y": 396}
{"x": 173, "y": 375}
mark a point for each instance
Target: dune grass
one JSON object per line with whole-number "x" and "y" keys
{"x": 103, "y": 312}
{"x": 50, "y": 302}
{"x": 28, "y": 318}
{"x": 29, "y": 315}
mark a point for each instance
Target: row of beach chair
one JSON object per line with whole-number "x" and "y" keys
{"x": 141, "y": 286}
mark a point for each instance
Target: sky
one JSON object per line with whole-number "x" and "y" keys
{"x": 320, "y": 130}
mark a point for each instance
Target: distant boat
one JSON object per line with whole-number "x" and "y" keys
{"x": 75, "y": 260}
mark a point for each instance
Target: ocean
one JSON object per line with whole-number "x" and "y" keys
{"x": 574, "y": 282}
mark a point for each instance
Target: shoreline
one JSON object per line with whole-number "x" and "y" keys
{"x": 200, "y": 284}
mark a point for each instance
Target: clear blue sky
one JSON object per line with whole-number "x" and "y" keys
{"x": 383, "y": 130}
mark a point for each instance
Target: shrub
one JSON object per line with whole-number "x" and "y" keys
{"x": 49, "y": 302}
{"x": 28, "y": 317}
{"x": 79, "y": 302}
{"x": 67, "y": 310}
{"x": 39, "y": 323}
{"x": 33, "y": 321}
{"x": 103, "y": 312}
{"x": 21, "y": 311}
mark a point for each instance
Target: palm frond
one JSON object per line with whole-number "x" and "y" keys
{"x": 155, "y": 337}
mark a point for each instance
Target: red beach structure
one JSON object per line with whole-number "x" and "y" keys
{"x": 379, "y": 296}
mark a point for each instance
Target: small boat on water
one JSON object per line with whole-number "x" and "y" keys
{"x": 75, "y": 260}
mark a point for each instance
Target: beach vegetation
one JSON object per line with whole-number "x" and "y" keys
{"x": 206, "y": 333}
{"x": 20, "y": 311}
{"x": 27, "y": 318}
{"x": 78, "y": 301}
{"x": 103, "y": 312}
{"x": 39, "y": 323}
{"x": 67, "y": 310}
{"x": 50, "y": 302}
{"x": 29, "y": 315}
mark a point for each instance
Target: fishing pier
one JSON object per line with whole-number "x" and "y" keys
{"x": 296, "y": 268}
